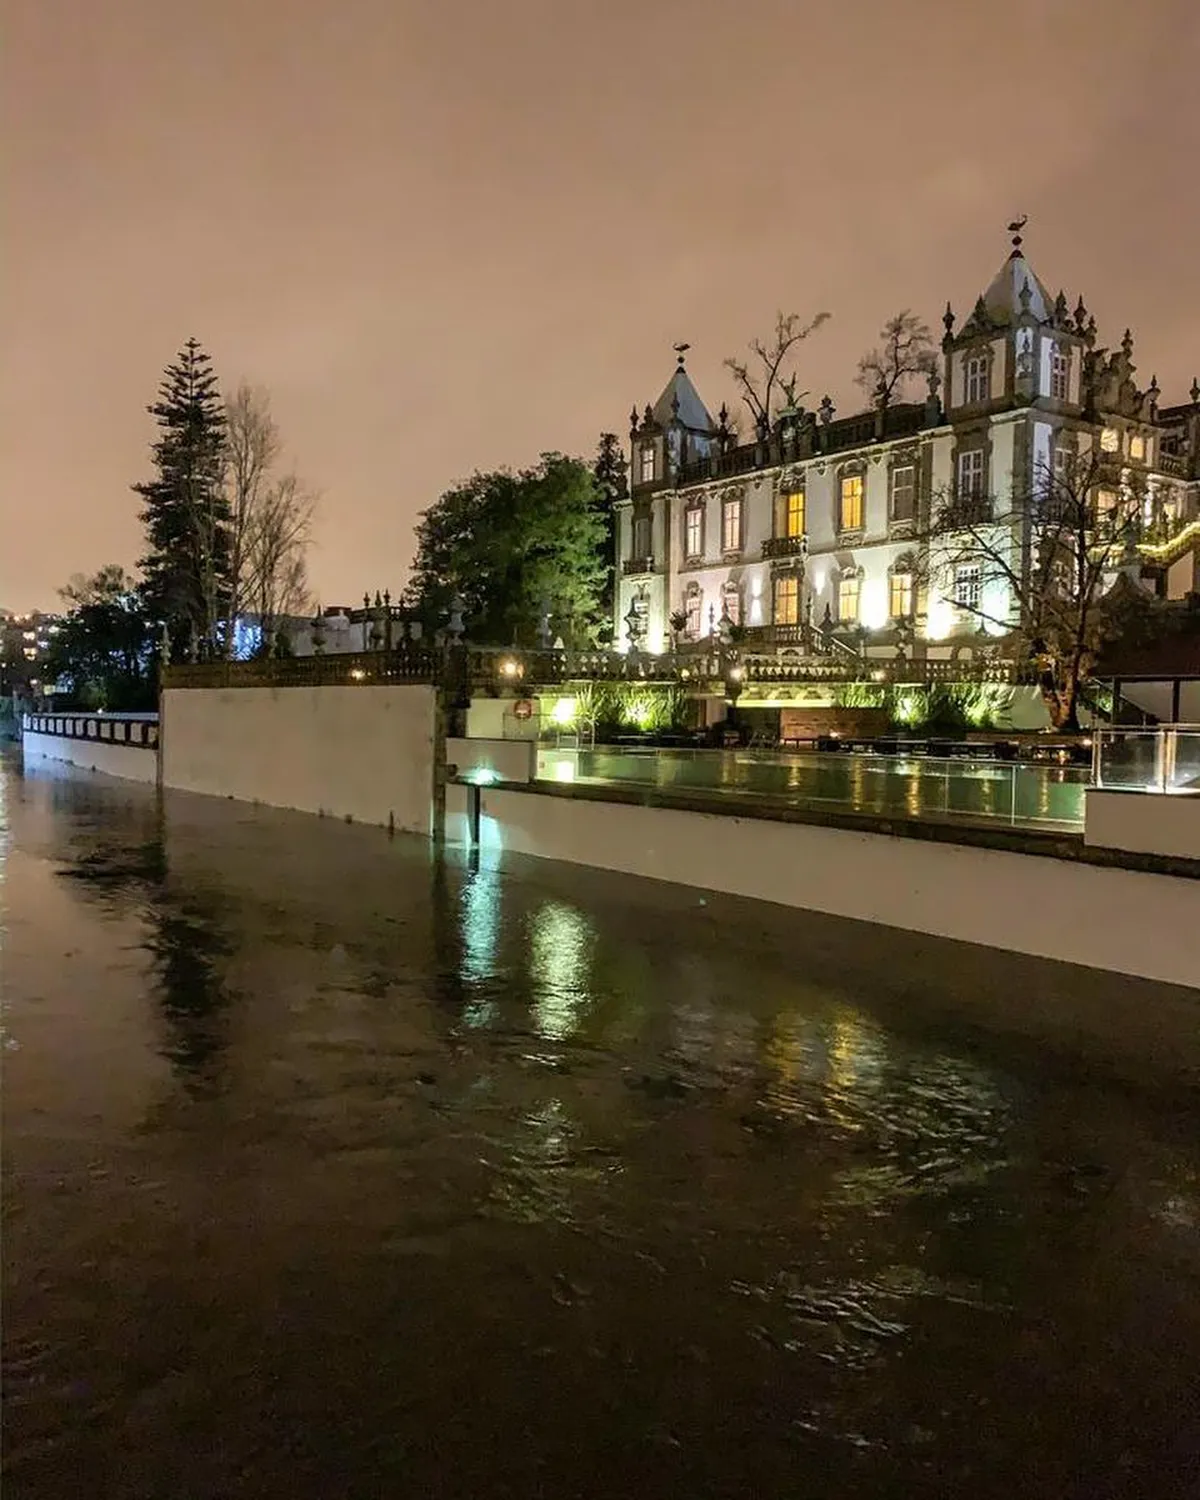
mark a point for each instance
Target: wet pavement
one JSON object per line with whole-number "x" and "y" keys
{"x": 332, "y": 1169}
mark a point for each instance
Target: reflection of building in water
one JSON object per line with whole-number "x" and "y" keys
{"x": 561, "y": 941}
{"x": 481, "y": 910}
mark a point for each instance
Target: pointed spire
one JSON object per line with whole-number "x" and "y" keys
{"x": 1127, "y": 344}
{"x": 1081, "y": 314}
{"x": 1194, "y": 393}
{"x": 680, "y": 351}
{"x": 948, "y": 319}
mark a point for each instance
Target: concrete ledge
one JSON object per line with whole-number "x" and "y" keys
{"x": 980, "y": 835}
{"x": 130, "y": 762}
{"x": 1123, "y": 920}
{"x": 1143, "y": 822}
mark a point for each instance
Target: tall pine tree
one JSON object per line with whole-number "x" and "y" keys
{"x": 187, "y": 520}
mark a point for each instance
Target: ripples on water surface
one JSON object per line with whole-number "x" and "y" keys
{"x": 334, "y": 1171}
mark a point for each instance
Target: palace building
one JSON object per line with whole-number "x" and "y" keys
{"x": 815, "y": 535}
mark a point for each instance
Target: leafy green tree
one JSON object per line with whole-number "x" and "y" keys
{"x": 103, "y": 650}
{"x": 515, "y": 547}
{"x": 187, "y": 516}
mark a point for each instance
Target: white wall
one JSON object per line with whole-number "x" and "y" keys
{"x": 359, "y": 752}
{"x": 1121, "y": 920}
{"x": 1146, "y": 823}
{"x": 130, "y": 762}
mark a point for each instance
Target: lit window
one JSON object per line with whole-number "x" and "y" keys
{"x": 850, "y": 503}
{"x": 692, "y": 605}
{"x": 978, "y": 379}
{"x": 970, "y": 474}
{"x": 1110, "y": 440}
{"x": 848, "y": 592}
{"x": 1106, "y": 506}
{"x": 794, "y": 514}
{"x": 693, "y": 532}
{"x": 1060, "y": 371}
{"x": 731, "y": 601}
{"x": 787, "y": 599}
{"x": 968, "y": 586}
{"x": 900, "y": 596}
{"x": 647, "y": 463}
{"x": 1137, "y": 447}
{"x": 731, "y": 525}
{"x": 904, "y": 493}
{"x": 641, "y": 537}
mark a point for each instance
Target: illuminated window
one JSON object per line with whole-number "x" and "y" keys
{"x": 641, "y": 537}
{"x": 1110, "y": 440}
{"x": 794, "y": 514}
{"x": 850, "y": 503}
{"x": 978, "y": 379}
{"x": 970, "y": 474}
{"x": 900, "y": 596}
{"x": 646, "y": 460}
{"x": 693, "y": 603}
{"x": 1060, "y": 373}
{"x": 787, "y": 599}
{"x": 904, "y": 493}
{"x": 968, "y": 585}
{"x": 1137, "y": 447}
{"x": 731, "y": 603}
{"x": 693, "y": 532}
{"x": 849, "y": 589}
{"x": 731, "y": 525}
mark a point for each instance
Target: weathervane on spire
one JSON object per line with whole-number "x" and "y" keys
{"x": 1015, "y": 229}
{"x": 680, "y": 351}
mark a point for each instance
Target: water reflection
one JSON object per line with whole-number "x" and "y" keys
{"x": 526, "y": 1179}
{"x": 561, "y": 940}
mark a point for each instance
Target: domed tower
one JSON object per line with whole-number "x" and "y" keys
{"x": 673, "y": 433}
{"x": 1013, "y": 377}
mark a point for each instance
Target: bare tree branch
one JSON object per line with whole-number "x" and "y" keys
{"x": 1053, "y": 556}
{"x": 906, "y": 350}
{"x": 757, "y": 387}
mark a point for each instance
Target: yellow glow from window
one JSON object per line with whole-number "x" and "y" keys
{"x": 850, "y": 509}
{"x": 1110, "y": 440}
{"x": 849, "y": 590}
{"x": 900, "y": 596}
{"x": 1137, "y": 447}
{"x": 787, "y": 600}
{"x": 794, "y": 520}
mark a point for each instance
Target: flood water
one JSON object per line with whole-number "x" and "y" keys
{"x": 335, "y": 1170}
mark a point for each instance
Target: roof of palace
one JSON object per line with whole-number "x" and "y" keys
{"x": 1003, "y": 297}
{"x": 692, "y": 411}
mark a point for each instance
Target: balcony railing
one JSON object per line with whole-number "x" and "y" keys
{"x": 634, "y": 567}
{"x": 784, "y": 546}
{"x": 339, "y": 669}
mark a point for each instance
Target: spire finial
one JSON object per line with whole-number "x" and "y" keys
{"x": 680, "y": 351}
{"x": 1194, "y": 393}
{"x": 1015, "y": 229}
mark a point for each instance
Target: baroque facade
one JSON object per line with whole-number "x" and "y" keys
{"x": 816, "y": 535}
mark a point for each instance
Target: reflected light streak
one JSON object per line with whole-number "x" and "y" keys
{"x": 560, "y": 960}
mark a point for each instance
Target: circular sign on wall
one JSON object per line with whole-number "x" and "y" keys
{"x": 523, "y": 709}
